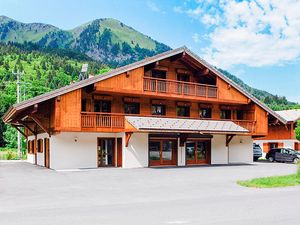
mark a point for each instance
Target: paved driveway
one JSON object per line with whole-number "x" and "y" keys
{"x": 32, "y": 195}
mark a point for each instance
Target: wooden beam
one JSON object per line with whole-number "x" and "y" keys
{"x": 39, "y": 123}
{"x": 18, "y": 129}
{"x": 35, "y": 108}
{"x": 31, "y": 130}
{"x": 176, "y": 57}
{"x": 229, "y": 138}
{"x": 127, "y": 138}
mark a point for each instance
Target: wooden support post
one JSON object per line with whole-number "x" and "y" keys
{"x": 35, "y": 145}
{"x": 229, "y": 138}
{"x": 127, "y": 138}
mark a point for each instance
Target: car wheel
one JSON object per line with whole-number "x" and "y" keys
{"x": 296, "y": 160}
{"x": 271, "y": 159}
{"x": 255, "y": 158}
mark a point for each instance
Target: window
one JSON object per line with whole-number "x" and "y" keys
{"x": 225, "y": 114}
{"x": 159, "y": 74}
{"x": 183, "y": 77}
{"x": 30, "y": 146}
{"x": 205, "y": 113}
{"x": 132, "y": 108}
{"x": 158, "y": 110}
{"x": 40, "y": 146}
{"x": 240, "y": 114}
{"x": 102, "y": 106}
{"x": 273, "y": 145}
{"x": 83, "y": 105}
{"x": 183, "y": 111}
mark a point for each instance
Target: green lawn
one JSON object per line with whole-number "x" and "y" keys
{"x": 274, "y": 181}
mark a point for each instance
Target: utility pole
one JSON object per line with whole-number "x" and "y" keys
{"x": 18, "y": 74}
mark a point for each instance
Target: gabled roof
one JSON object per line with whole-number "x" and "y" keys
{"x": 290, "y": 115}
{"x": 181, "y": 125}
{"x": 132, "y": 66}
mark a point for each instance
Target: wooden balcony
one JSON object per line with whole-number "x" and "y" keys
{"x": 115, "y": 122}
{"x": 102, "y": 121}
{"x": 247, "y": 124}
{"x": 180, "y": 88}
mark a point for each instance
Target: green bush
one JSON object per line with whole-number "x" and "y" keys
{"x": 8, "y": 154}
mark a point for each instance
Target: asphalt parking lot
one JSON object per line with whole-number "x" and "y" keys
{"x": 32, "y": 195}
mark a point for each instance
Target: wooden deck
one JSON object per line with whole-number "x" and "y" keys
{"x": 179, "y": 88}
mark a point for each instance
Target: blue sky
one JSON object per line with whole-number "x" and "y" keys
{"x": 259, "y": 41}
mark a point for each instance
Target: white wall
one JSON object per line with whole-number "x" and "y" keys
{"x": 241, "y": 149}
{"x": 181, "y": 155}
{"x": 40, "y": 156}
{"x": 30, "y": 158}
{"x": 136, "y": 154}
{"x": 66, "y": 153}
{"x": 219, "y": 151}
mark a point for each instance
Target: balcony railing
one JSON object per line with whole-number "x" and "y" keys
{"x": 117, "y": 121}
{"x": 102, "y": 120}
{"x": 247, "y": 124}
{"x": 180, "y": 88}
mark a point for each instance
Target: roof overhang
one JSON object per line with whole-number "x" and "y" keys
{"x": 158, "y": 124}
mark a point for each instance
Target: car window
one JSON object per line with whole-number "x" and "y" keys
{"x": 278, "y": 150}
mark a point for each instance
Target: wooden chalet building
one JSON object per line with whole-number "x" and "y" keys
{"x": 282, "y": 135}
{"x": 172, "y": 109}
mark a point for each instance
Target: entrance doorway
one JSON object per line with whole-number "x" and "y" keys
{"x": 162, "y": 152}
{"x": 197, "y": 152}
{"x": 106, "y": 152}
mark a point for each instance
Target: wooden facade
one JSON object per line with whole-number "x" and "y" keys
{"x": 75, "y": 111}
{"x": 179, "y": 85}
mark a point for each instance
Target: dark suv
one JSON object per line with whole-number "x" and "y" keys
{"x": 257, "y": 152}
{"x": 282, "y": 155}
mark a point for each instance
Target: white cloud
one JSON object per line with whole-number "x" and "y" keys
{"x": 153, "y": 7}
{"x": 254, "y": 33}
{"x": 196, "y": 37}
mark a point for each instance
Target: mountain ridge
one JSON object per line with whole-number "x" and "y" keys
{"x": 106, "y": 39}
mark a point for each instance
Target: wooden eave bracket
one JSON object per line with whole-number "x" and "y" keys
{"x": 229, "y": 138}
{"x": 39, "y": 123}
{"x": 25, "y": 125}
{"x": 18, "y": 129}
{"x": 127, "y": 138}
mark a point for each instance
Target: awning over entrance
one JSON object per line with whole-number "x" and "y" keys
{"x": 184, "y": 125}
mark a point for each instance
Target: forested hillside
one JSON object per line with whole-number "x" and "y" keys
{"x": 106, "y": 40}
{"x": 275, "y": 102}
{"x": 44, "y": 70}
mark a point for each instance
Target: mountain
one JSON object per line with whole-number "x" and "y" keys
{"x": 106, "y": 40}
{"x": 275, "y": 102}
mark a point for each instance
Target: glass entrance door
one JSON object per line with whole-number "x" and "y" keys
{"x": 106, "y": 150}
{"x": 162, "y": 152}
{"x": 197, "y": 152}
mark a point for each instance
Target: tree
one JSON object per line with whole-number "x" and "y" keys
{"x": 297, "y": 130}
